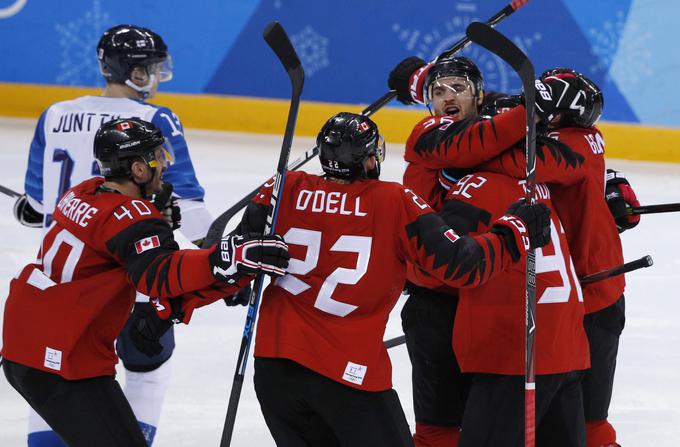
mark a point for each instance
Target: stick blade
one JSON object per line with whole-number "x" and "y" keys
{"x": 277, "y": 39}
{"x": 495, "y": 42}
{"x": 487, "y": 37}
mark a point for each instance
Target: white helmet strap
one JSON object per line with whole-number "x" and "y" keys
{"x": 145, "y": 89}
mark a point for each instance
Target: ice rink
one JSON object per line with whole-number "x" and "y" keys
{"x": 645, "y": 408}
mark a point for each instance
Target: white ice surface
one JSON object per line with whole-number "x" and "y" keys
{"x": 645, "y": 407}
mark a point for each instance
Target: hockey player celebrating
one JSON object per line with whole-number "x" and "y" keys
{"x": 455, "y": 136}
{"x": 591, "y": 230}
{"x": 322, "y": 373}
{"x": 106, "y": 241}
{"x": 133, "y": 61}
{"x": 453, "y": 89}
{"x": 488, "y": 334}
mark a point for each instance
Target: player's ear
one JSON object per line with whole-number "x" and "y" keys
{"x": 139, "y": 170}
{"x": 480, "y": 100}
{"x": 139, "y": 75}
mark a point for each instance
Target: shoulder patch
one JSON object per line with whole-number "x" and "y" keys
{"x": 147, "y": 243}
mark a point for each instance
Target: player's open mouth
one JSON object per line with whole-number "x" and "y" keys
{"x": 451, "y": 110}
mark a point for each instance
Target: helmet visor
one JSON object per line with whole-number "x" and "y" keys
{"x": 457, "y": 86}
{"x": 166, "y": 153}
{"x": 162, "y": 69}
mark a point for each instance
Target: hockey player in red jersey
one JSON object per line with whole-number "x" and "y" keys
{"x": 64, "y": 312}
{"x": 488, "y": 335}
{"x": 322, "y": 373}
{"x": 591, "y": 231}
{"x": 455, "y": 136}
{"x": 134, "y": 62}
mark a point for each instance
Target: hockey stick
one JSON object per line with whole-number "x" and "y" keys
{"x": 219, "y": 224}
{"x": 279, "y": 42}
{"x": 9, "y": 192}
{"x": 653, "y": 209}
{"x": 643, "y": 262}
{"x": 396, "y": 341}
{"x": 453, "y": 49}
{"x": 500, "y": 45}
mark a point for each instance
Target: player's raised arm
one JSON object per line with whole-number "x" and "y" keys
{"x": 465, "y": 261}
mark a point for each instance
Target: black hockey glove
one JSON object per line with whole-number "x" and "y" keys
{"x": 530, "y": 232}
{"x": 240, "y": 298}
{"x": 558, "y": 96}
{"x": 236, "y": 255}
{"x": 400, "y": 77}
{"x": 168, "y": 206}
{"x": 147, "y": 328}
{"x": 620, "y": 199}
{"x": 25, "y": 214}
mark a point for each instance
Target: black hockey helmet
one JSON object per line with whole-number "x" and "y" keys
{"x": 124, "y": 47}
{"x": 593, "y": 99}
{"x": 119, "y": 142}
{"x": 496, "y": 103}
{"x": 345, "y": 142}
{"x": 453, "y": 66}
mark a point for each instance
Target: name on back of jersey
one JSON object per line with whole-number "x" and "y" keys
{"x": 76, "y": 210}
{"x": 82, "y": 122}
{"x": 333, "y": 202}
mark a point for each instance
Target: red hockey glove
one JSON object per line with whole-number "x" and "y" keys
{"x": 417, "y": 83}
{"x": 524, "y": 227}
{"x": 400, "y": 77}
{"x": 620, "y": 199}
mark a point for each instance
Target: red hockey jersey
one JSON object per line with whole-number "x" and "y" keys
{"x": 578, "y": 196}
{"x": 489, "y": 327}
{"x": 438, "y": 142}
{"x": 349, "y": 245}
{"x": 64, "y": 313}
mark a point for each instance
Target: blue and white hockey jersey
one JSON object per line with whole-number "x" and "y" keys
{"x": 61, "y": 154}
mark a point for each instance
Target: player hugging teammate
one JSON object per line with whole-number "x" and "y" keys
{"x": 468, "y": 161}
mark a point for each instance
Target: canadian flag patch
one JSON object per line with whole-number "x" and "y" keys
{"x": 451, "y": 235}
{"x": 147, "y": 243}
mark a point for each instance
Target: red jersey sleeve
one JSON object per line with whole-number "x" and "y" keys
{"x": 215, "y": 292}
{"x": 557, "y": 162}
{"x": 439, "y": 142}
{"x": 459, "y": 261}
{"x": 136, "y": 235}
